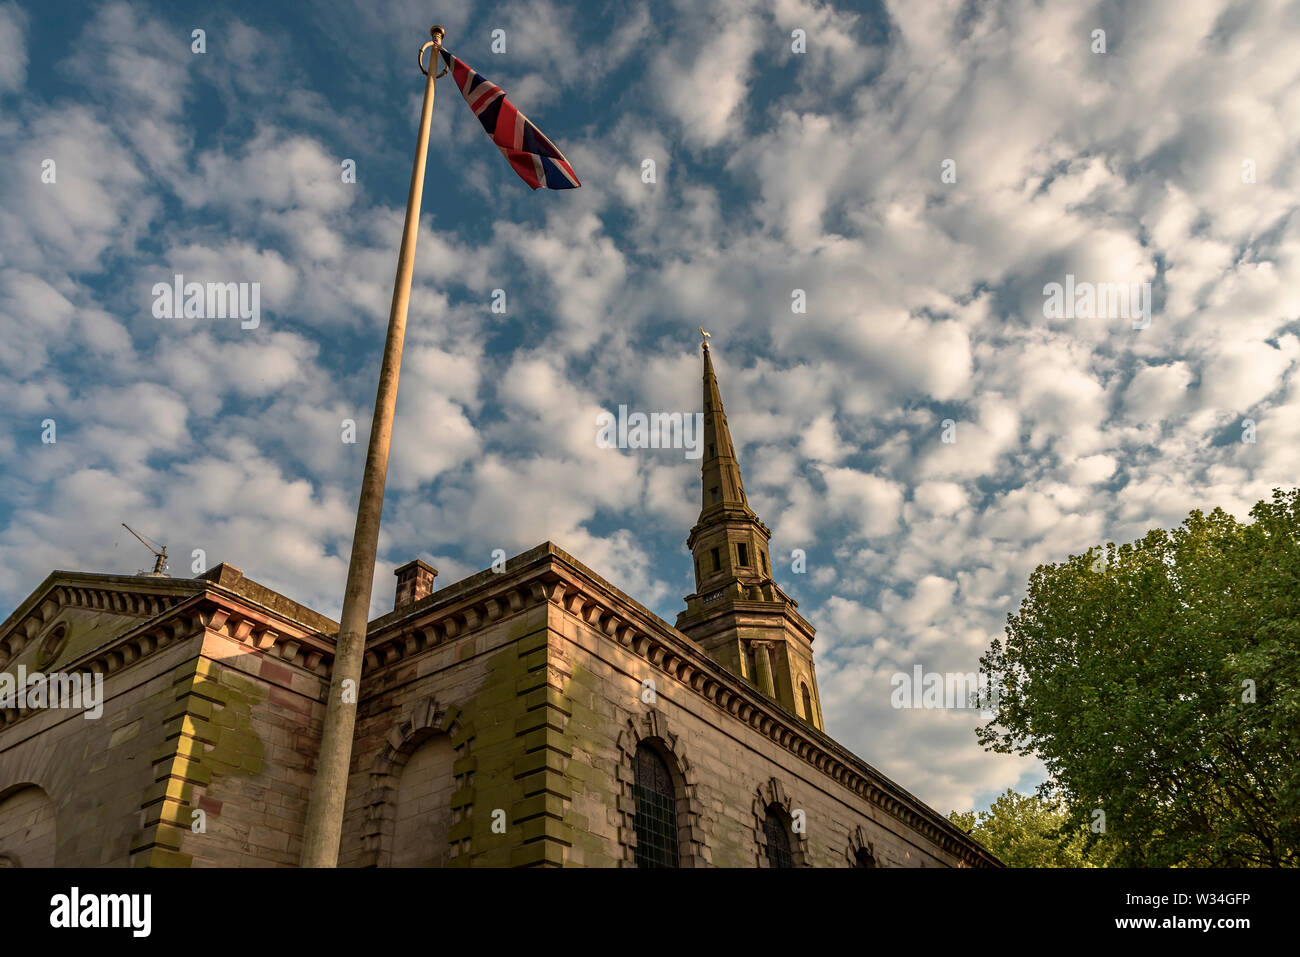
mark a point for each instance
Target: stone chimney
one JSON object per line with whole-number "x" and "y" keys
{"x": 414, "y": 581}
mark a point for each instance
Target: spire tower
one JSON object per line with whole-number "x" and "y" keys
{"x": 738, "y": 613}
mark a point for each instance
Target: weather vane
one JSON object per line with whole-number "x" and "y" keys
{"x": 704, "y": 341}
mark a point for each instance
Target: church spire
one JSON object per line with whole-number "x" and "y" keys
{"x": 738, "y": 613}
{"x": 722, "y": 484}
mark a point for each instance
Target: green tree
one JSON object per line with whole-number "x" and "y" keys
{"x": 1159, "y": 682}
{"x": 1024, "y": 830}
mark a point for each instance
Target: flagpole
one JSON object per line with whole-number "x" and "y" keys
{"x": 324, "y": 826}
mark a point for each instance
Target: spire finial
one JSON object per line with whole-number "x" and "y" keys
{"x": 704, "y": 340}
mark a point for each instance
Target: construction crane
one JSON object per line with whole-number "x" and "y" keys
{"x": 159, "y": 553}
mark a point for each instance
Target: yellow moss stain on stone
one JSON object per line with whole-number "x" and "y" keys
{"x": 210, "y": 735}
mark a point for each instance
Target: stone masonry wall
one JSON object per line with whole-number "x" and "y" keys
{"x": 544, "y": 712}
{"x": 212, "y": 722}
{"x": 247, "y": 732}
{"x": 730, "y": 772}
{"x": 98, "y": 773}
{"x": 480, "y": 682}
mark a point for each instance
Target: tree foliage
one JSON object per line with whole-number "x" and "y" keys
{"x": 1159, "y": 682}
{"x": 1027, "y": 831}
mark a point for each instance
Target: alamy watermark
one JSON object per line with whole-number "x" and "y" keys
{"x": 1098, "y": 300}
{"x": 77, "y": 692}
{"x": 653, "y": 430}
{"x": 78, "y": 910}
{"x": 945, "y": 690}
{"x": 179, "y": 299}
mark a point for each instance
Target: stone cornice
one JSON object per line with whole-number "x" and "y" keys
{"x": 547, "y": 573}
{"x": 723, "y": 514}
{"x": 458, "y": 609}
{"x": 703, "y": 618}
{"x": 249, "y": 623}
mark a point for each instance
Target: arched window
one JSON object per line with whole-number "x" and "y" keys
{"x": 423, "y": 812}
{"x": 807, "y": 702}
{"x": 777, "y": 832}
{"x": 26, "y": 828}
{"x": 656, "y": 810}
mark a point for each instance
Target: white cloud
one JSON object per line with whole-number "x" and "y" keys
{"x": 777, "y": 171}
{"x": 1244, "y": 372}
{"x": 703, "y": 76}
{"x": 940, "y": 498}
{"x": 868, "y": 503}
{"x": 13, "y": 47}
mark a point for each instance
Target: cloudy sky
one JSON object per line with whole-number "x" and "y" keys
{"x": 921, "y": 171}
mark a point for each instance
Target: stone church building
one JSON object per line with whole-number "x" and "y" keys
{"x": 535, "y": 716}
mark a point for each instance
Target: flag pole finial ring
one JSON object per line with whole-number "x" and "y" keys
{"x": 437, "y": 33}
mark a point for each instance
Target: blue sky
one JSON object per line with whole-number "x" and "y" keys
{"x": 820, "y": 171}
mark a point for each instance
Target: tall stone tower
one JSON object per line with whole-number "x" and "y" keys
{"x": 738, "y": 613}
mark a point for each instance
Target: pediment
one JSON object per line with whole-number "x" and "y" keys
{"x": 71, "y": 614}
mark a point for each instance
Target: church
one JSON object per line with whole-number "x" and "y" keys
{"x": 531, "y": 715}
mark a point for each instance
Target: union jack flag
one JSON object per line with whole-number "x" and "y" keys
{"x": 532, "y": 155}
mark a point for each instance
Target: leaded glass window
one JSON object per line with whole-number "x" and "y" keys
{"x": 778, "y": 839}
{"x": 656, "y": 810}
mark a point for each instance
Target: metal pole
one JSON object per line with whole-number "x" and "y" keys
{"x": 324, "y": 827}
